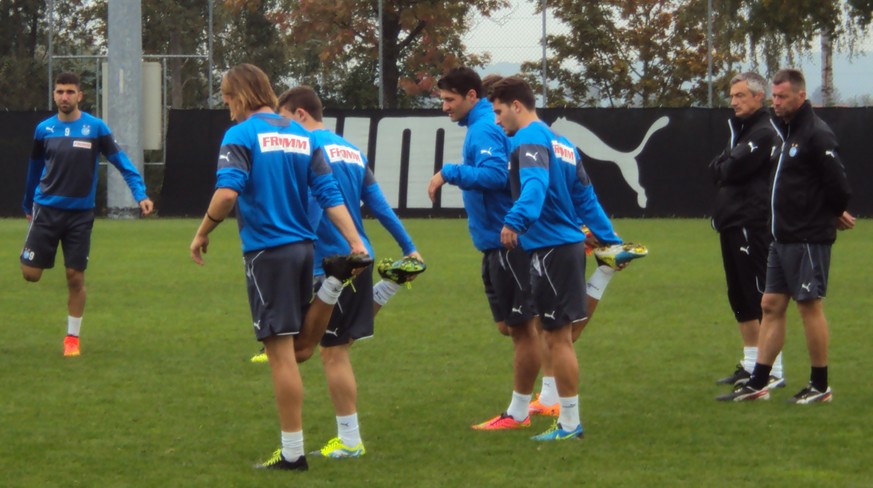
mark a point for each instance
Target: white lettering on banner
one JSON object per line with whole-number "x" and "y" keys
{"x": 82, "y": 144}
{"x": 422, "y": 152}
{"x": 564, "y": 152}
{"x": 338, "y": 154}
{"x": 274, "y": 141}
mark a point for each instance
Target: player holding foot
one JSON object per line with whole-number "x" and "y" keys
{"x": 482, "y": 176}
{"x": 615, "y": 258}
{"x": 353, "y": 317}
{"x": 552, "y": 194}
{"x": 59, "y": 195}
{"x": 265, "y": 167}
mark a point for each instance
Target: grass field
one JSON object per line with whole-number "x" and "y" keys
{"x": 164, "y": 395}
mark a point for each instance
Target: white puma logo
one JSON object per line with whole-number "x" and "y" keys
{"x": 806, "y": 286}
{"x": 593, "y": 147}
{"x": 744, "y": 249}
{"x": 257, "y": 324}
{"x": 531, "y": 155}
{"x": 550, "y": 315}
{"x": 830, "y": 153}
{"x": 486, "y": 151}
{"x": 516, "y": 310}
{"x": 50, "y": 129}
{"x": 752, "y": 146}
{"x": 334, "y": 332}
{"x": 225, "y": 157}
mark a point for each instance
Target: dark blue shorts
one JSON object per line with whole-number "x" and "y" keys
{"x": 558, "y": 284}
{"x": 279, "y": 286}
{"x": 50, "y": 226}
{"x": 506, "y": 276}
{"x": 799, "y": 270}
{"x": 352, "y": 317}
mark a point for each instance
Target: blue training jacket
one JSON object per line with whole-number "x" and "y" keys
{"x": 269, "y": 161}
{"x": 483, "y": 176}
{"x": 62, "y": 171}
{"x": 357, "y": 184}
{"x": 553, "y": 194}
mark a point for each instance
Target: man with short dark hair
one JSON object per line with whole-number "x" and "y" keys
{"x": 741, "y": 174}
{"x": 552, "y": 197}
{"x": 59, "y": 196}
{"x": 482, "y": 176}
{"x": 808, "y": 199}
{"x": 352, "y": 319}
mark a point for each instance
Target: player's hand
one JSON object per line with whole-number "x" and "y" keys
{"x": 29, "y": 217}
{"x": 845, "y": 221}
{"x": 435, "y": 183}
{"x": 416, "y": 255}
{"x": 358, "y": 247}
{"x": 146, "y": 206}
{"x": 509, "y": 238}
{"x": 198, "y": 245}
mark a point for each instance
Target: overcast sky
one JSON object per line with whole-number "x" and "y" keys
{"x": 513, "y": 35}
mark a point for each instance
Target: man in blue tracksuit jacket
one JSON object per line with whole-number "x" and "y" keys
{"x": 552, "y": 198}
{"x": 60, "y": 193}
{"x": 505, "y": 272}
{"x": 353, "y": 317}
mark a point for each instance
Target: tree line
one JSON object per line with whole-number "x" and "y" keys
{"x": 646, "y": 53}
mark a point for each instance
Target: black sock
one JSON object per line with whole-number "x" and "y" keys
{"x": 819, "y": 378}
{"x": 760, "y": 376}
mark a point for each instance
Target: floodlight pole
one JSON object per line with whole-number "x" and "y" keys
{"x": 51, "y": 28}
{"x": 545, "y": 74}
{"x": 709, "y": 53}
{"x": 381, "y": 60}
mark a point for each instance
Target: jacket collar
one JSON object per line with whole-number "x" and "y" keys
{"x": 482, "y": 109}
{"x": 750, "y": 120}
{"x": 803, "y": 114}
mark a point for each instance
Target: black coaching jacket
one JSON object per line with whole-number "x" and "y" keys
{"x": 810, "y": 188}
{"x": 742, "y": 173}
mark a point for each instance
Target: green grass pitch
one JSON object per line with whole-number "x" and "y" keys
{"x": 164, "y": 396}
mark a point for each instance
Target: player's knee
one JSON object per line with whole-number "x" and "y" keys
{"x": 31, "y": 275}
{"x": 304, "y": 354}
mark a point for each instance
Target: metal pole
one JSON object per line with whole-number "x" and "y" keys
{"x": 709, "y": 53}
{"x": 51, "y": 28}
{"x": 124, "y": 95}
{"x": 209, "y": 50}
{"x": 545, "y": 74}
{"x": 381, "y": 61}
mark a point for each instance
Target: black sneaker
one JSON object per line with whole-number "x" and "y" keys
{"x": 740, "y": 376}
{"x": 342, "y": 267}
{"x": 401, "y": 271}
{"x": 278, "y": 461}
{"x": 811, "y": 394}
{"x": 745, "y": 393}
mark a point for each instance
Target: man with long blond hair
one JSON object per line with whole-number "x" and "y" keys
{"x": 265, "y": 167}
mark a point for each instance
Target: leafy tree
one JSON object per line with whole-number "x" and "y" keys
{"x": 337, "y": 46}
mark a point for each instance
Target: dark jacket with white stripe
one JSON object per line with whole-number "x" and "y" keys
{"x": 742, "y": 173}
{"x": 810, "y": 189}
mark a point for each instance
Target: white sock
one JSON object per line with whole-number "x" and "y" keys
{"x": 74, "y": 325}
{"x": 750, "y": 357}
{"x": 598, "y": 281}
{"x": 347, "y": 429}
{"x": 383, "y": 291}
{"x": 518, "y": 406}
{"x": 292, "y": 445}
{"x": 330, "y": 290}
{"x": 549, "y": 392}
{"x": 569, "y": 416}
{"x": 777, "y": 366}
